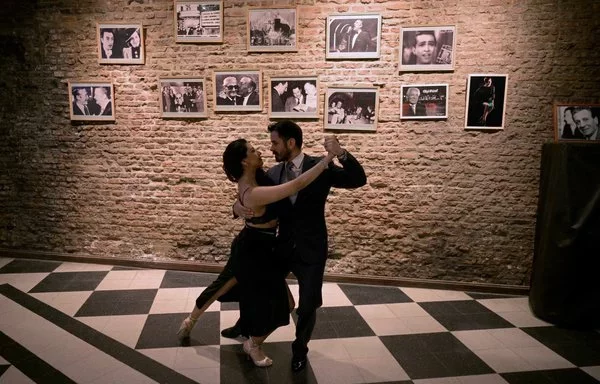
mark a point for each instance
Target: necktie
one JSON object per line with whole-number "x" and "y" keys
{"x": 290, "y": 175}
{"x": 86, "y": 111}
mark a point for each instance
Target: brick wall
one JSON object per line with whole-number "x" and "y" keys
{"x": 441, "y": 202}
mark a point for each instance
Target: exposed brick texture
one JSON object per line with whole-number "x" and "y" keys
{"x": 441, "y": 202}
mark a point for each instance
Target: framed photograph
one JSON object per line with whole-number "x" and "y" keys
{"x": 576, "y": 122}
{"x": 427, "y": 48}
{"x": 237, "y": 91}
{"x": 424, "y": 101}
{"x": 353, "y": 36}
{"x": 91, "y": 101}
{"x": 294, "y": 97}
{"x": 486, "y": 101}
{"x": 120, "y": 43}
{"x": 182, "y": 98}
{"x": 272, "y": 29}
{"x": 351, "y": 108}
{"x": 199, "y": 21}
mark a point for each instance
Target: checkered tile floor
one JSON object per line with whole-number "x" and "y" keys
{"x": 85, "y": 323}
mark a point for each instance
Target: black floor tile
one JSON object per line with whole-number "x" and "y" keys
{"x": 364, "y": 294}
{"x": 556, "y": 376}
{"x": 120, "y": 268}
{"x": 30, "y": 266}
{"x": 334, "y": 322}
{"x": 464, "y": 315}
{"x": 70, "y": 281}
{"x": 123, "y": 302}
{"x": 481, "y": 296}
{"x": 434, "y": 355}
{"x": 160, "y": 331}
{"x": 236, "y": 368}
{"x": 3, "y": 369}
{"x": 581, "y": 348}
{"x": 180, "y": 279}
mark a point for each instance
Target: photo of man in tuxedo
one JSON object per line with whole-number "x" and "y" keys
{"x": 360, "y": 40}
{"x": 413, "y": 107}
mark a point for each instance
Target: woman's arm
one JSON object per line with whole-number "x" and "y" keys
{"x": 259, "y": 196}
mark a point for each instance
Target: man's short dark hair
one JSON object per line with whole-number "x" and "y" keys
{"x": 419, "y": 33}
{"x": 593, "y": 111}
{"x": 287, "y": 129}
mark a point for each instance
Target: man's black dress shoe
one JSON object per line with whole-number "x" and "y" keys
{"x": 299, "y": 363}
{"x": 232, "y": 332}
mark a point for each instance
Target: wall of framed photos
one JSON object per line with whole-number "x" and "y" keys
{"x": 449, "y": 196}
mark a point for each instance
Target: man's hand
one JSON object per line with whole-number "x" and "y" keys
{"x": 333, "y": 145}
{"x": 242, "y": 211}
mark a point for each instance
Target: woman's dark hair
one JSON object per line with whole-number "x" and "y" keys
{"x": 235, "y": 152}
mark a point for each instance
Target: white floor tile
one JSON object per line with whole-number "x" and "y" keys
{"x": 113, "y": 285}
{"x": 125, "y": 329}
{"x": 328, "y": 349}
{"x": 14, "y": 376}
{"x": 375, "y": 311}
{"x": 82, "y": 267}
{"x": 23, "y": 281}
{"x": 523, "y": 319}
{"x": 430, "y": 295}
{"x": 482, "y": 379}
{"x": 170, "y": 306}
{"x": 478, "y": 340}
{"x": 592, "y": 371}
{"x": 380, "y": 369}
{"x": 407, "y": 309}
{"x": 228, "y": 319}
{"x": 203, "y": 375}
{"x": 4, "y": 261}
{"x": 542, "y": 357}
{"x": 333, "y": 296}
{"x": 365, "y": 348}
{"x": 442, "y": 380}
{"x": 165, "y": 356}
{"x": 337, "y": 371}
{"x": 123, "y": 375}
{"x": 287, "y": 333}
{"x": 197, "y": 357}
{"x": 422, "y": 324}
{"x": 386, "y": 327}
{"x": 504, "y": 360}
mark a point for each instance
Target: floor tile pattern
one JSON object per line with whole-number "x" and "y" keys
{"x": 87, "y": 323}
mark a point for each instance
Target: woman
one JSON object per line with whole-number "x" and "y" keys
{"x": 264, "y": 298}
{"x": 132, "y": 50}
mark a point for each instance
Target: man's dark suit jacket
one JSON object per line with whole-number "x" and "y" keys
{"x": 253, "y": 99}
{"x": 302, "y": 225}
{"x": 362, "y": 43}
{"x": 276, "y": 102}
{"x": 420, "y": 110}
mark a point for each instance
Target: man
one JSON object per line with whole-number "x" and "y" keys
{"x": 296, "y": 102}
{"x": 424, "y": 48}
{"x": 302, "y": 228}
{"x": 103, "y": 100}
{"x": 569, "y": 130}
{"x": 248, "y": 92}
{"x": 413, "y": 107}
{"x": 586, "y": 120}
{"x": 229, "y": 93}
{"x": 276, "y": 102}
{"x": 80, "y": 104}
{"x": 360, "y": 40}
{"x": 107, "y": 39}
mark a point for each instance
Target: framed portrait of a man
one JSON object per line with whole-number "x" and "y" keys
{"x": 577, "y": 122}
{"x": 237, "y": 90}
{"x": 199, "y": 21}
{"x": 351, "y": 108}
{"x": 486, "y": 101}
{"x": 294, "y": 97}
{"x": 182, "y": 98}
{"x": 120, "y": 43}
{"x": 424, "y": 101}
{"x": 353, "y": 36}
{"x": 272, "y": 29}
{"x": 91, "y": 101}
{"x": 427, "y": 48}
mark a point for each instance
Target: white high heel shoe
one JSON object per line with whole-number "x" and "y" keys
{"x": 186, "y": 328}
{"x": 252, "y": 350}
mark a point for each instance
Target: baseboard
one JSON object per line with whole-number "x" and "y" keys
{"x": 194, "y": 266}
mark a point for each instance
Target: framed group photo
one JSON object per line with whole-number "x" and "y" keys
{"x": 486, "y": 101}
{"x": 576, "y": 122}
{"x": 351, "y": 108}
{"x": 91, "y": 101}
{"x": 199, "y": 21}
{"x": 272, "y": 29}
{"x": 120, "y": 43}
{"x": 294, "y": 97}
{"x": 182, "y": 98}
{"x": 353, "y": 36}
{"x": 424, "y": 101}
{"x": 238, "y": 90}
{"x": 427, "y": 48}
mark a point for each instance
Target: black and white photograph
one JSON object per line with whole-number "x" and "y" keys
{"x": 238, "y": 90}
{"x": 199, "y": 21}
{"x": 182, "y": 98}
{"x": 576, "y": 122}
{"x": 351, "y": 108}
{"x": 91, "y": 101}
{"x": 120, "y": 43}
{"x": 486, "y": 101}
{"x": 272, "y": 29}
{"x": 294, "y": 97}
{"x": 424, "y": 101}
{"x": 353, "y": 36}
{"x": 427, "y": 48}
